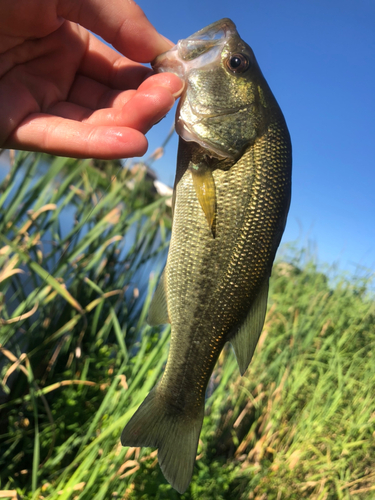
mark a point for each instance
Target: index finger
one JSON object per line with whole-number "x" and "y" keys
{"x": 121, "y": 23}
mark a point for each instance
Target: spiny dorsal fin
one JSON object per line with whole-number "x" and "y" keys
{"x": 204, "y": 185}
{"x": 246, "y": 339}
{"x": 158, "y": 313}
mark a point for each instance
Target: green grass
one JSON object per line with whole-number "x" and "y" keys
{"x": 78, "y": 357}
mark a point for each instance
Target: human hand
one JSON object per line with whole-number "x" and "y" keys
{"x": 65, "y": 92}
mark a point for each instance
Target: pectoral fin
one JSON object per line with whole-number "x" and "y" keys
{"x": 158, "y": 313}
{"x": 246, "y": 339}
{"x": 204, "y": 185}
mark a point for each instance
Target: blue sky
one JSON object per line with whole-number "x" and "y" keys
{"x": 319, "y": 60}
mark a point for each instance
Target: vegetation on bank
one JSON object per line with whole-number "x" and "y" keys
{"x": 81, "y": 245}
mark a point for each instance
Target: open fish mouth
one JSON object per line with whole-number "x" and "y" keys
{"x": 200, "y": 49}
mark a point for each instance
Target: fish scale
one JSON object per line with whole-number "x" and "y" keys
{"x": 245, "y": 265}
{"x": 231, "y": 198}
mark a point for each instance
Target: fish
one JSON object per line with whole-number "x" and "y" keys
{"x": 231, "y": 199}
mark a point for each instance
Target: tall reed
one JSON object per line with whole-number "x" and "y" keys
{"x": 80, "y": 251}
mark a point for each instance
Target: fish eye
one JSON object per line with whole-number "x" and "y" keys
{"x": 237, "y": 63}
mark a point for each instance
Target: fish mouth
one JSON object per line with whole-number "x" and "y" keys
{"x": 205, "y": 44}
{"x": 201, "y": 50}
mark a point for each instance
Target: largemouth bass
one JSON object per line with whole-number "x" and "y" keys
{"x": 231, "y": 199}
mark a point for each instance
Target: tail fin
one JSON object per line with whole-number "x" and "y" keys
{"x": 173, "y": 433}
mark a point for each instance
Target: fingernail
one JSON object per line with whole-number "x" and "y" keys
{"x": 179, "y": 92}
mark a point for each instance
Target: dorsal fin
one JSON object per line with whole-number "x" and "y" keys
{"x": 246, "y": 339}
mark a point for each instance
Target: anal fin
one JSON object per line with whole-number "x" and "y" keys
{"x": 246, "y": 339}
